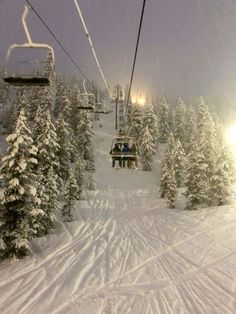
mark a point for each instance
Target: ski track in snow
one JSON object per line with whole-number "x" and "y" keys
{"x": 127, "y": 252}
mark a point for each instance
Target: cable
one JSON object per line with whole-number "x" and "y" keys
{"x": 91, "y": 45}
{"x": 57, "y": 40}
{"x": 135, "y": 56}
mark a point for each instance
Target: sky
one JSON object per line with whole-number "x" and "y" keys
{"x": 187, "y": 47}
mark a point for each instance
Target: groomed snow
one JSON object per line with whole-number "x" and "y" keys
{"x": 127, "y": 252}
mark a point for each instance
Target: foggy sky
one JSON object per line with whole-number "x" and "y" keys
{"x": 187, "y": 47}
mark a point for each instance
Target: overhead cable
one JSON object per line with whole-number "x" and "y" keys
{"x": 135, "y": 55}
{"x": 91, "y": 45}
{"x": 57, "y": 40}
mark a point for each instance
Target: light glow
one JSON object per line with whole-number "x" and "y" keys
{"x": 141, "y": 101}
{"x": 230, "y": 136}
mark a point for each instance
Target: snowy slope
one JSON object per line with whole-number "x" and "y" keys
{"x": 127, "y": 252}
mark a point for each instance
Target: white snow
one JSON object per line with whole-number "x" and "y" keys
{"x": 14, "y": 182}
{"x": 127, "y": 252}
{"x": 32, "y": 190}
{"x": 22, "y": 164}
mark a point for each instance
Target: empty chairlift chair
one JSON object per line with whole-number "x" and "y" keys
{"x": 86, "y": 100}
{"x": 29, "y": 64}
{"x": 101, "y": 107}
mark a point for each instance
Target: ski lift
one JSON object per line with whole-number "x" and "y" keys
{"x": 129, "y": 156}
{"x": 87, "y": 100}
{"x": 31, "y": 72}
{"x": 101, "y": 107}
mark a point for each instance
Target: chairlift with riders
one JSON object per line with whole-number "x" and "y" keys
{"x": 124, "y": 150}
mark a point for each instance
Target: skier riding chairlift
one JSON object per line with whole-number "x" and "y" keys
{"x": 116, "y": 155}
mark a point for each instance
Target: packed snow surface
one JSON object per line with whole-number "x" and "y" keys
{"x": 127, "y": 252}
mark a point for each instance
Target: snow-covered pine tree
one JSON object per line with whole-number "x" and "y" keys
{"x": 206, "y": 137}
{"x": 49, "y": 67}
{"x": 19, "y": 102}
{"x": 67, "y": 116}
{"x": 90, "y": 162}
{"x": 60, "y": 91}
{"x": 85, "y": 135}
{"x": 35, "y": 99}
{"x": 72, "y": 193}
{"x": 48, "y": 148}
{"x": 64, "y": 147}
{"x": 171, "y": 191}
{"x": 75, "y": 116}
{"x": 196, "y": 179}
{"x": 167, "y": 163}
{"x": 179, "y": 163}
{"x": 129, "y": 114}
{"x": 146, "y": 149}
{"x": 150, "y": 120}
{"x": 220, "y": 181}
{"x": 4, "y": 89}
{"x": 135, "y": 122}
{"x": 79, "y": 175}
{"x": 51, "y": 189}
{"x": 179, "y": 121}
{"x": 20, "y": 204}
{"x": 47, "y": 143}
{"x": 164, "y": 123}
{"x": 164, "y": 178}
{"x": 49, "y": 194}
{"x": 190, "y": 129}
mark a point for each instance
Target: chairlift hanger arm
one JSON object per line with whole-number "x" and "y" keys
{"x": 25, "y": 27}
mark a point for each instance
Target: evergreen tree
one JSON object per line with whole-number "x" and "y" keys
{"x": 171, "y": 192}
{"x": 179, "y": 164}
{"x": 135, "y": 122}
{"x": 67, "y": 116}
{"x": 75, "y": 112}
{"x": 90, "y": 162}
{"x": 180, "y": 127}
{"x": 190, "y": 129}
{"x": 220, "y": 182}
{"x": 4, "y": 90}
{"x": 60, "y": 92}
{"x": 206, "y": 137}
{"x": 35, "y": 99}
{"x": 150, "y": 120}
{"x": 164, "y": 178}
{"x": 167, "y": 165}
{"x": 46, "y": 141}
{"x": 85, "y": 146}
{"x": 20, "y": 204}
{"x": 79, "y": 176}
{"x": 49, "y": 67}
{"x": 72, "y": 193}
{"x": 196, "y": 180}
{"x": 164, "y": 124}
{"x": 64, "y": 147}
{"x": 147, "y": 149}
{"x": 20, "y": 102}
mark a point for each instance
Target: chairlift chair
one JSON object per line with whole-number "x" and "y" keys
{"x": 22, "y": 76}
{"x": 87, "y": 100}
{"x": 131, "y": 156}
{"x": 101, "y": 108}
